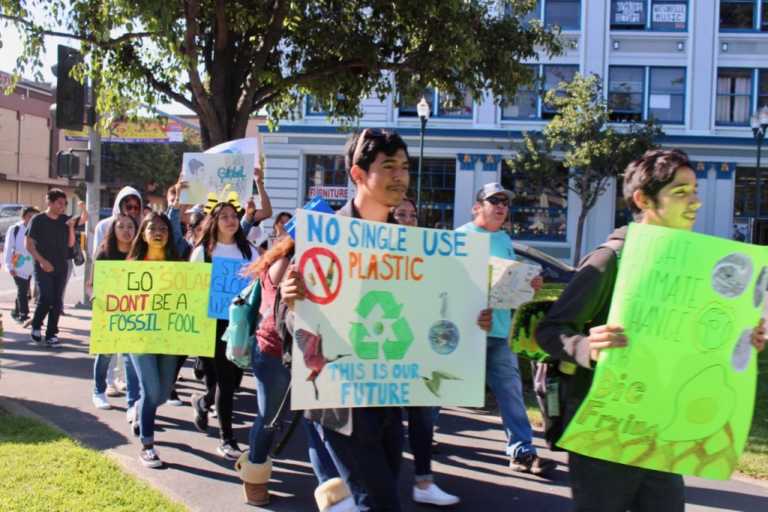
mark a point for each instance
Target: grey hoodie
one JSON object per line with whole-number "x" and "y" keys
{"x": 100, "y": 233}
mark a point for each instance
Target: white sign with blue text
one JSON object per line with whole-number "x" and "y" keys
{"x": 218, "y": 173}
{"x": 390, "y": 315}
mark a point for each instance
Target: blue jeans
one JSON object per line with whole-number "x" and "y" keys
{"x": 272, "y": 380}
{"x": 503, "y": 376}
{"x": 100, "y": 368}
{"x": 322, "y": 462}
{"x": 369, "y": 459}
{"x": 156, "y": 373}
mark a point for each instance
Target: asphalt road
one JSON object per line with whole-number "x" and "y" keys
{"x": 57, "y": 386}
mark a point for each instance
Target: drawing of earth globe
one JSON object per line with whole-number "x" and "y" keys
{"x": 444, "y": 337}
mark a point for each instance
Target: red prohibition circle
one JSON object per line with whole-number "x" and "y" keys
{"x": 311, "y": 255}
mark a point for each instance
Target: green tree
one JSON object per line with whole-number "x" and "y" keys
{"x": 144, "y": 166}
{"x": 226, "y": 59}
{"x": 579, "y": 138}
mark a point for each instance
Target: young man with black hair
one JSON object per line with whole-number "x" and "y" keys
{"x": 660, "y": 189}
{"x": 15, "y": 258}
{"x": 50, "y": 236}
{"x": 367, "y": 443}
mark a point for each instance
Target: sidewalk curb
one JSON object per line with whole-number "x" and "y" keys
{"x": 750, "y": 480}
{"x": 124, "y": 461}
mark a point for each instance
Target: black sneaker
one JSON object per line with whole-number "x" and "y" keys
{"x": 52, "y": 341}
{"x": 533, "y": 464}
{"x": 148, "y": 457}
{"x": 201, "y": 413}
{"x": 229, "y": 449}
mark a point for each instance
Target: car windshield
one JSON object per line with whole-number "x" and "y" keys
{"x": 10, "y": 211}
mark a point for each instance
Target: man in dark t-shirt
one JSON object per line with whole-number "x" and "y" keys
{"x": 50, "y": 236}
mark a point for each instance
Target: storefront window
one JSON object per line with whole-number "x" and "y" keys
{"x": 326, "y": 176}
{"x": 438, "y": 190}
{"x": 539, "y": 211}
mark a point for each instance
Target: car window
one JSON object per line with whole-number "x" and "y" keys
{"x": 10, "y": 211}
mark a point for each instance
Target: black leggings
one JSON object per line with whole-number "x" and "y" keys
{"x": 221, "y": 379}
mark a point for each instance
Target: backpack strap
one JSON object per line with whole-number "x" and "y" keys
{"x": 16, "y": 231}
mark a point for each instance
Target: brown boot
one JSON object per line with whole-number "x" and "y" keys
{"x": 255, "y": 478}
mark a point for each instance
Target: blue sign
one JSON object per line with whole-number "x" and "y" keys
{"x": 226, "y": 282}
{"x": 316, "y": 204}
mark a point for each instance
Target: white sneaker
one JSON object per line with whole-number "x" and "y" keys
{"x": 100, "y": 401}
{"x": 433, "y": 495}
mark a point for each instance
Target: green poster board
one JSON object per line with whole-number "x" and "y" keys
{"x": 679, "y": 398}
{"x": 148, "y": 307}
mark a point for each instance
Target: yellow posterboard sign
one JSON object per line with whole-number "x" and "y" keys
{"x": 144, "y": 307}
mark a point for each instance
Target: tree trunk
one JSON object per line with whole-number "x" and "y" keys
{"x": 579, "y": 234}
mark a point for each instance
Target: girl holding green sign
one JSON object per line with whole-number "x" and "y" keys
{"x": 156, "y": 372}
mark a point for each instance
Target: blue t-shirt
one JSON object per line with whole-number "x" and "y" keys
{"x": 501, "y": 247}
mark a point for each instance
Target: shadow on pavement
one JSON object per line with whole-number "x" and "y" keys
{"x": 728, "y": 500}
{"x": 83, "y": 426}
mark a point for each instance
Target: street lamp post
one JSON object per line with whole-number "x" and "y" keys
{"x": 759, "y": 123}
{"x": 423, "y": 111}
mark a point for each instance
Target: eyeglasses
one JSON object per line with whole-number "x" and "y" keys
{"x": 497, "y": 200}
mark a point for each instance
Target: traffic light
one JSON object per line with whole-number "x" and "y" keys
{"x": 67, "y": 164}
{"x": 70, "y": 94}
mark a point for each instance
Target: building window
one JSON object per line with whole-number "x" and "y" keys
{"x": 326, "y": 176}
{"x": 441, "y": 104}
{"x": 529, "y": 103}
{"x": 407, "y": 102}
{"x": 734, "y": 96}
{"x": 742, "y": 14}
{"x": 744, "y": 197}
{"x": 666, "y": 100}
{"x": 451, "y": 106}
{"x": 524, "y": 104}
{"x": 553, "y": 76}
{"x": 625, "y": 93}
{"x": 667, "y": 15}
{"x": 539, "y": 211}
{"x": 438, "y": 190}
{"x": 564, "y": 13}
{"x": 762, "y": 89}
{"x": 665, "y": 91}
{"x": 628, "y": 15}
{"x": 313, "y": 108}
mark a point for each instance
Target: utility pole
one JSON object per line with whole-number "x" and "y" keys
{"x": 92, "y": 190}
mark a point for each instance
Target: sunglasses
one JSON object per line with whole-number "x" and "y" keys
{"x": 497, "y": 200}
